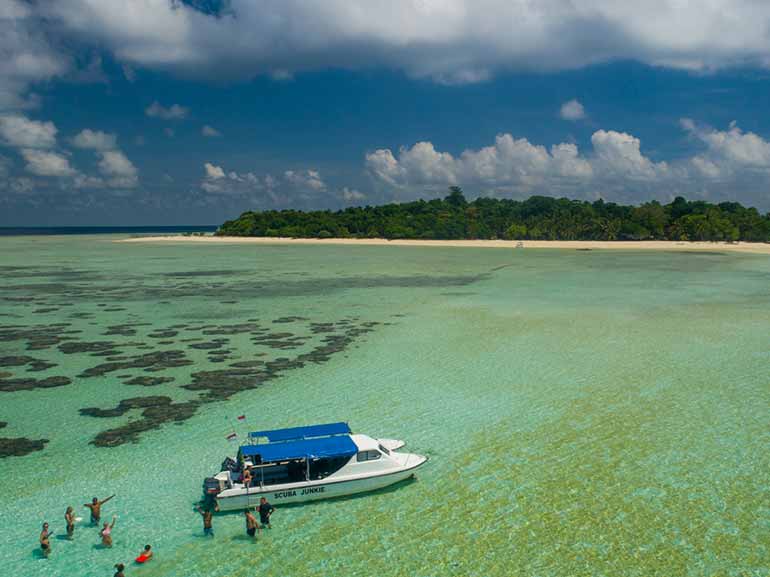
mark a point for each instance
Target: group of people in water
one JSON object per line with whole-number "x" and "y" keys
{"x": 265, "y": 510}
{"x": 95, "y": 508}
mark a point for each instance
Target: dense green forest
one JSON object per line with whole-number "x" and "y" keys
{"x": 539, "y": 217}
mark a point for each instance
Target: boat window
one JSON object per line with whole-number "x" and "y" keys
{"x": 368, "y": 456}
{"x": 384, "y": 450}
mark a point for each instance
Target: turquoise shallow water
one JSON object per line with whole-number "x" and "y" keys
{"x": 586, "y": 413}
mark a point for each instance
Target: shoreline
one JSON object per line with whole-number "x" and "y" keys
{"x": 669, "y": 245}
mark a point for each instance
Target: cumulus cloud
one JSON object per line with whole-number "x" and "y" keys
{"x": 572, "y": 110}
{"x": 210, "y": 131}
{"x": 451, "y": 41}
{"x": 352, "y": 195}
{"x": 727, "y": 152}
{"x": 26, "y": 54}
{"x": 303, "y": 185}
{"x": 305, "y": 179}
{"x": 47, "y": 163}
{"x": 94, "y": 140}
{"x": 21, "y": 132}
{"x": 173, "y": 112}
{"x": 615, "y": 167}
{"x": 509, "y": 163}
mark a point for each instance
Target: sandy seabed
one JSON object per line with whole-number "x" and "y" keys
{"x": 748, "y": 247}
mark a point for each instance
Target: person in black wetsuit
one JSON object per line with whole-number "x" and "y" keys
{"x": 265, "y": 510}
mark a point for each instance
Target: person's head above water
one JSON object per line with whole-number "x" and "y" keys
{"x": 45, "y": 526}
{"x": 94, "y": 500}
{"x": 120, "y": 566}
{"x": 262, "y": 500}
{"x": 147, "y": 547}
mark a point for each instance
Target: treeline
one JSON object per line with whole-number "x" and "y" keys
{"x": 538, "y": 218}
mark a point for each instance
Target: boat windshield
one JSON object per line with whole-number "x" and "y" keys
{"x": 384, "y": 450}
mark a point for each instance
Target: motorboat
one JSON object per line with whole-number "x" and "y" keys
{"x": 309, "y": 463}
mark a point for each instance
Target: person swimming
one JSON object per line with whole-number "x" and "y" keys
{"x": 145, "y": 555}
{"x": 69, "y": 519}
{"x": 119, "y": 570}
{"x": 96, "y": 508}
{"x": 107, "y": 532}
{"x": 251, "y": 523}
{"x": 45, "y": 543}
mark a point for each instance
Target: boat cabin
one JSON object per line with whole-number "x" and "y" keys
{"x": 297, "y": 454}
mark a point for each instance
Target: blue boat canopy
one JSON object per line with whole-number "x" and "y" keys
{"x": 294, "y": 433}
{"x": 324, "y": 447}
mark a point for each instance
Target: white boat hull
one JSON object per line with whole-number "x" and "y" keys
{"x": 235, "y": 499}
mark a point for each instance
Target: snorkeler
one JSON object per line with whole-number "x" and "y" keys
{"x": 107, "y": 532}
{"x": 45, "y": 536}
{"x": 96, "y": 509}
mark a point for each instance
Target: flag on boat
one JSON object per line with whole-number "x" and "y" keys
{"x": 241, "y": 417}
{"x": 231, "y": 436}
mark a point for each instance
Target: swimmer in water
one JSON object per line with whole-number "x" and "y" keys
{"x": 69, "y": 519}
{"x": 107, "y": 532}
{"x": 251, "y": 523}
{"x": 119, "y": 570}
{"x": 45, "y": 536}
{"x": 146, "y": 554}
{"x": 96, "y": 509}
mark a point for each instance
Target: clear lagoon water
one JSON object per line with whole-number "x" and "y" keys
{"x": 586, "y": 413}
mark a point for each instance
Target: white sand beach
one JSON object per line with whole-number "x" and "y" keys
{"x": 745, "y": 247}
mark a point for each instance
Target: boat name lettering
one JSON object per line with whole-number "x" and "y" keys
{"x": 311, "y": 490}
{"x": 284, "y": 494}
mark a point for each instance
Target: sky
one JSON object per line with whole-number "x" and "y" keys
{"x": 150, "y": 112}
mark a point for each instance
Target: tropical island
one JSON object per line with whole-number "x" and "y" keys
{"x": 537, "y": 218}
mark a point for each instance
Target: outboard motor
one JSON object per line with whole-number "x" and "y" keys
{"x": 211, "y": 486}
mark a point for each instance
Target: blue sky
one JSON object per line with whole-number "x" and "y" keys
{"x": 165, "y": 113}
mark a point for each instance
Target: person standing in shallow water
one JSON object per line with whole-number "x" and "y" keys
{"x": 208, "y": 515}
{"x": 265, "y": 510}
{"x": 107, "y": 532}
{"x": 96, "y": 509}
{"x": 45, "y": 540}
{"x": 251, "y": 523}
{"x": 69, "y": 519}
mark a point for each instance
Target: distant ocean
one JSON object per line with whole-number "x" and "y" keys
{"x": 46, "y": 230}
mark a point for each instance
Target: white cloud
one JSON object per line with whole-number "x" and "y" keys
{"x": 21, "y": 132}
{"x": 728, "y": 152}
{"x": 618, "y": 153}
{"x": 305, "y": 179}
{"x": 213, "y": 171}
{"x": 572, "y": 110}
{"x": 94, "y": 140}
{"x": 210, "y": 131}
{"x": 119, "y": 170}
{"x": 732, "y": 162}
{"x": 47, "y": 163}
{"x": 351, "y": 195}
{"x": 508, "y": 163}
{"x": 450, "y": 40}
{"x": 26, "y": 54}
{"x": 173, "y": 112}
